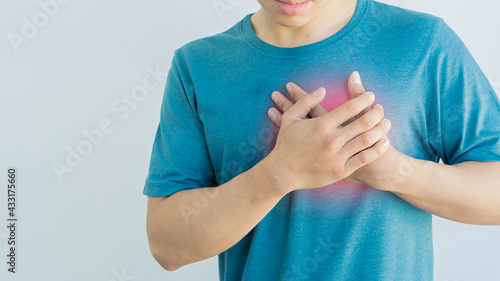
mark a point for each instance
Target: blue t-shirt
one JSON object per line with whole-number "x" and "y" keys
{"x": 214, "y": 126}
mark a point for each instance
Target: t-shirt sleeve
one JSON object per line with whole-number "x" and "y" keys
{"x": 180, "y": 158}
{"x": 465, "y": 124}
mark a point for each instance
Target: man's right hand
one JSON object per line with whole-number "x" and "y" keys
{"x": 312, "y": 153}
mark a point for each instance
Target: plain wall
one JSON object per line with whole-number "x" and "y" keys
{"x": 71, "y": 73}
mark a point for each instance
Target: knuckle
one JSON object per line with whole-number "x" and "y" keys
{"x": 365, "y": 157}
{"x": 279, "y": 103}
{"x": 351, "y": 107}
{"x": 339, "y": 172}
{"x": 367, "y": 139}
{"x": 332, "y": 142}
{"x": 366, "y": 122}
{"x": 321, "y": 126}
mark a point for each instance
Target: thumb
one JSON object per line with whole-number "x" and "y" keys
{"x": 303, "y": 106}
{"x": 355, "y": 86}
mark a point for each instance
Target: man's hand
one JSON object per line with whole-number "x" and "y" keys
{"x": 372, "y": 173}
{"x": 316, "y": 152}
{"x": 465, "y": 192}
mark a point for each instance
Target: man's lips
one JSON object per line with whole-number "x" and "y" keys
{"x": 293, "y": 2}
{"x": 290, "y": 9}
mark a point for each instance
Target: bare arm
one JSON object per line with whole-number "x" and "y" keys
{"x": 467, "y": 192}
{"x": 177, "y": 236}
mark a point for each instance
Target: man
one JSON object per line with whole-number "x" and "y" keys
{"x": 344, "y": 187}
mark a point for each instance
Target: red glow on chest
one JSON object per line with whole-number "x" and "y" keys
{"x": 335, "y": 97}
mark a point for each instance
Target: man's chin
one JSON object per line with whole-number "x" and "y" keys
{"x": 291, "y": 21}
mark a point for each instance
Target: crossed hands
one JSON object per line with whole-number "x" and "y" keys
{"x": 315, "y": 148}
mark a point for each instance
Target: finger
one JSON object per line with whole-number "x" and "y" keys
{"x": 303, "y": 106}
{"x": 349, "y": 109}
{"x": 296, "y": 92}
{"x": 367, "y": 139}
{"x": 281, "y": 101}
{"x": 367, "y": 156}
{"x": 355, "y": 86}
{"x": 364, "y": 123}
{"x": 275, "y": 115}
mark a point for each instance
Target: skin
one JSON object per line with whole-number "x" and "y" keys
{"x": 467, "y": 192}
{"x": 340, "y": 145}
{"x": 322, "y": 19}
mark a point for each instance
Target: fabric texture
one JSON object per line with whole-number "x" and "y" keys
{"x": 214, "y": 126}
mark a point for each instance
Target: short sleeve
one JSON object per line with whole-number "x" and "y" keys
{"x": 465, "y": 123}
{"x": 179, "y": 158}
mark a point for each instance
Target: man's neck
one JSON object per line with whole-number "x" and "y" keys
{"x": 325, "y": 24}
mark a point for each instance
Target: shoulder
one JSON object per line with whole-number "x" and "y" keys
{"x": 404, "y": 17}
{"x": 405, "y": 23}
{"x": 407, "y": 29}
{"x": 207, "y": 49}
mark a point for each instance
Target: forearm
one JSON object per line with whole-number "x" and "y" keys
{"x": 468, "y": 192}
{"x": 193, "y": 225}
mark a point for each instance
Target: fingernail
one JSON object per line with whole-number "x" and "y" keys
{"x": 319, "y": 92}
{"x": 387, "y": 124}
{"x": 372, "y": 96}
{"x": 272, "y": 114}
{"x": 289, "y": 87}
{"x": 274, "y": 96}
{"x": 385, "y": 143}
{"x": 355, "y": 78}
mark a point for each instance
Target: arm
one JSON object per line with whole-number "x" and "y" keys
{"x": 177, "y": 239}
{"x": 467, "y": 192}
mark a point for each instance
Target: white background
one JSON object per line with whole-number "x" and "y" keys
{"x": 65, "y": 79}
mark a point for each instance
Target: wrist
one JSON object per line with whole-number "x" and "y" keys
{"x": 275, "y": 173}
{"x": 384, "y": 173}
{"x": 400, "y": 169}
